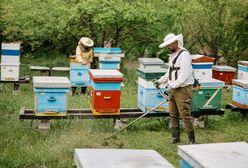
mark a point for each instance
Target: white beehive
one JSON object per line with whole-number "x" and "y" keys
{"x": 10, "y": 53}
{"x": 10, "y": 72}
{"x": 119, "y": 158}
{"x": 218, "y": 155}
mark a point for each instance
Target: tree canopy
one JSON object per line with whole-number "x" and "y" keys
{"x": 214, "y": 27}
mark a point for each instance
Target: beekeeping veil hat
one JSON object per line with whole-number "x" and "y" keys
{"x": 170, "y": 38}
{"x": 86, "y": 41}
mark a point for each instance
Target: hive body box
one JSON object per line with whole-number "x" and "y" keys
{"x": 109, "y": 58}
{"x": 109, "y": 63}
{"x": 10, "y": 61}
{"x": 10, "y": 72}
{"x": 51, "y": 95}
{"x": 10, "y": 53}
{"x": 79, "y": 74}
{"x": 243, "y": 70}
{"x": 208, "y": 88}
{"x": 105, "y": 91}
{"x": 219, "y": 155}
{"x": 202, "y": 66}
{"x": 119, "y": 158}
{"x": 240, "y": 92}
{"x": 224, "y": 73}
{"x": 150, "y": 63}
{"x": 148, "y": 95}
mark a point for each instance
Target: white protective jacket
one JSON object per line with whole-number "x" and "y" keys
{"x": 184, "y": 74}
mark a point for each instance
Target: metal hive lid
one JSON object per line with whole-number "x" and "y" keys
{"x": 157, "y": 61}
{"x": 241, "y": 82}
{"x": 153, "y": 70}
{"x": 245, "y": 63}
{"x": 51, "y": 82}
{"x": 221, "y": 155}
{"x": 211, "y": 83}
{"x": 106, "y": 73}
{"x": 224, "y": 68}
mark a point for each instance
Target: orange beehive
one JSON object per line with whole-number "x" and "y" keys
{"x": 105, "y": 91}
{"x": 224, "y": 73}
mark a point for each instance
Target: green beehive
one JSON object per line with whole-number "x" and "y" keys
{"x": 150, "y": 74}
{"x": 209, "y": 96}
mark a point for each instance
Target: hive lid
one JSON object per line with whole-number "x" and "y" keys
{"x": 51, "y": 82}
{"x": 153, "y": 70}
{"x": 120, "y": 55}
{"x": 211, "y": 83}
{"x": 240, "y": 82}
{"x": 224, "y": 68}
{"x": 221, "y": 155}
{"x": 245, "y": 63}
{"x": 10, "y": 64}
{"x": 11, "y": 46}
{"x": 107, "y": 50}
{"x": 119, "y": 158}
{"x": 197, "y": 58}
{"x": 153, "y": 61}
{"x": 110, "y": 59}
{"x": 106, "y": 73}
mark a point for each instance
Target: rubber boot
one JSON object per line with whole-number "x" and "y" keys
{"x": 175, "y": 135}
{"x": 191, "y": 137}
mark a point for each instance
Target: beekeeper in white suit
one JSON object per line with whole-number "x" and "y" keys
{"x": 179, "y": 81}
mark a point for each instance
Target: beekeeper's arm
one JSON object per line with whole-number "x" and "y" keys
{"x": 78, "y": 55}
{"x": 164, "y": 79}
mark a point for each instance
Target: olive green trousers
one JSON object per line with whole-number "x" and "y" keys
{"x": 180, "y": 100}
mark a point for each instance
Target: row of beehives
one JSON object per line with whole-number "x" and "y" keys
{"x": 10, "y": 61}
{"x": 152, "y": 68}
{"x": 212, "y": 79}
{"x": 104, "y": 85}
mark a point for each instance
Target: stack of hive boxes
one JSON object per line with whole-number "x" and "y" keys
{"x": 224, "y": 73}
{"x": 240, "y": 86}
{"x": 105, "y": 91}
{"x": 202, "y": 66}
{"x": 208, "y": 97}
{"x": 148, "y": 95}
{"x": 10, "y": 61}
{"x": 109, "y": 58}
{"x": 51, "y": 95}
{"x": 79, "y": 74}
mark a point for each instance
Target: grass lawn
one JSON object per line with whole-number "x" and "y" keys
{"x": 25, "y": 146}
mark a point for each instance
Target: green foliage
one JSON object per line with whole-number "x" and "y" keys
{"x": 215, "y": 27}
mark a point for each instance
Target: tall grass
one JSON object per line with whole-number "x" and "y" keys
{"x": 22, "y": 145}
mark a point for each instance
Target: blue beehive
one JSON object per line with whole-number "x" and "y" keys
{"x": 215, "y": 155}
{"x": 51, "y": 95}
{"x": 108, "y": 75}
{"x": 240, "y": 92}
{"x": 109, "y": 62}
{"x": 149, "y": 96}
{"x": 79, "y": 74}
{"x": 107, "y": 50}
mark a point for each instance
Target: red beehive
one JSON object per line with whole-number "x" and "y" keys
{"x": 105, "y": 91}
{"x": 224, "y": 73}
